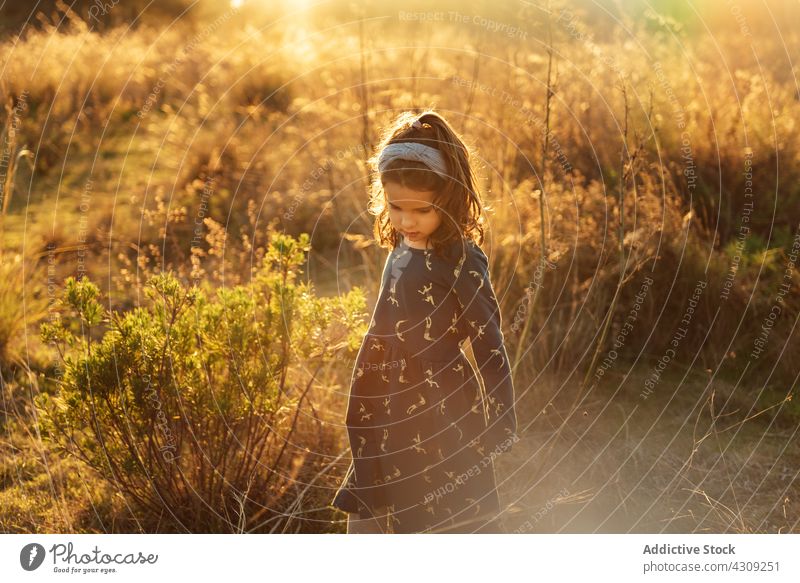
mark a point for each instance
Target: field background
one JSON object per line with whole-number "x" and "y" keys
{"x": 203, "y": 165}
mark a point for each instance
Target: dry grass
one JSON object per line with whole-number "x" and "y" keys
{"x": 671, "y": 464}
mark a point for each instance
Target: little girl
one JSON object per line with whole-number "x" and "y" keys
{"x": 422, "y": 434}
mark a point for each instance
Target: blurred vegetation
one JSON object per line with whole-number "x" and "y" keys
{"x": 184, "y": 156}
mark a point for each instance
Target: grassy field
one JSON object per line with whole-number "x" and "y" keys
{"x": 649, "y": 155}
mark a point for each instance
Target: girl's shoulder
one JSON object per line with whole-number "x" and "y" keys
{"x": 464, "y": 252}
{"x": 464, "y": 249}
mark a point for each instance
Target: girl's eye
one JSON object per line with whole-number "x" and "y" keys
{"x": 423, "y": 211}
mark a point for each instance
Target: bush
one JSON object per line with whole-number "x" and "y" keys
{"x": 200, "y": 408}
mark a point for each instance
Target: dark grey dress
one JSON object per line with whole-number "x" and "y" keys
{"x": 422, "y": 435}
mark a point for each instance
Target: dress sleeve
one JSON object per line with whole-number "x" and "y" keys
{"x": 480, "y": 319}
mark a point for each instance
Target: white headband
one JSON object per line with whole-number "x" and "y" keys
{"x": 415, "y": 151}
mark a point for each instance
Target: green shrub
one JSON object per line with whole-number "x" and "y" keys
{"x": 202, "y": 408}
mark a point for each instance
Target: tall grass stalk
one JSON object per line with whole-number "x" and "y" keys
{"x": 551, "y": 85}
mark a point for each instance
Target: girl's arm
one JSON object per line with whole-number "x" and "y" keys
{"x": 481, "y": 319}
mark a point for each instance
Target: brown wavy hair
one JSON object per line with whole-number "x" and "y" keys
{"x": 456, "y": 199}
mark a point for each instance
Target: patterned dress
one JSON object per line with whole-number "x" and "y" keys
{"x": 423, "y": 435}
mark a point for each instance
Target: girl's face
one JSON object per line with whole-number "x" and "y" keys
{"x": 412, "y": 213}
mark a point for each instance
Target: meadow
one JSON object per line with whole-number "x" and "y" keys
{"x": 187, "y": 264}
